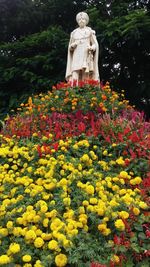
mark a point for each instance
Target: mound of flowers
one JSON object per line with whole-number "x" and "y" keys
{"x": 74, "y": 180}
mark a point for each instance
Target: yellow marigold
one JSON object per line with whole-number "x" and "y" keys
{"x": 14, "y": 248}
{"x": 123, "y": 174}
{"x": 105, "y": 219}
{"x": 34, "y": 134}
{"x": 63, "y": 182}
{"x": 66, "y": 243}
{"x": 133, "y": 182}
{"x": 143, "y": 205}
{"x": 86, "y": 228}
{"x": 4, "y": 259}
{"x": 79, "y": 167}
{"x": 122, "y": 191}
{"x": 90, "y": 189}
{"x": 120, "y": 225}
{"x": 83, "y": 218}
{"x": 113, "y": 203}
{"x": 120, "y": 161}
{"x": 136, "y": 211}
{"x": 45, "y": 222}
{"x": 105, "y": 152}
{"x": 3, "y": 231}
{"x": 36, "y": 218}
{"x": 45, "y": 196}
{"x": 9, "y": 224}
{"x": 38, "y": 232}
{"x": 124, "y": 214}
{"x": 46, "y": 236}
{"x": 90, "y": 208}
{"x": 102, "y": 227}
{"x": 53, "y": 245}
{"x": 53, "y": 203}
{"x": 67, "y": 201}
{"x": 114, "y": 214}
{"x": 26, "y": 258}
{"x": 81, "y": 210}
{"x": 93, "y": 200}
{"x": 61, "y": 260}
{"x": 44, "y": 208}
{"x": 38, "y": 243}
{"x": 115, "y": 259}
{"x": 38, "y": 263}
{"x": 62, "y": 172}
{"x": 113, "y": 145}
{"x": 138, "y": 180}
{"x": 30, "y": 235}
{"x": 85, "y": 203}
{"x": 75, "y": 146}
{"x": 85, "y": 158}
{"x": 100, "y": 211}
{"x": 127, "y": 199}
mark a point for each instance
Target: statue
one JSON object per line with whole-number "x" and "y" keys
{"x": 83, "y": 51}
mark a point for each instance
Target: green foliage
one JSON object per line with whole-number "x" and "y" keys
{"x": 23, "y": 17}
{"x": 31, "y": 65}
{"x": 122, "y": 28}
{"x": 125, "y": 49}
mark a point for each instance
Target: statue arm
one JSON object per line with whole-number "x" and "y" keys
{"x": 72, "y": 43}
{"x": 94, "y": 43}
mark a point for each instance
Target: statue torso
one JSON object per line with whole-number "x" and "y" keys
{"x": 82, "y": 34}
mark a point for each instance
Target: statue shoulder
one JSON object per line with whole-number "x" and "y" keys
{"x": 74, "y": 31}
{"x": 91, "y": 30}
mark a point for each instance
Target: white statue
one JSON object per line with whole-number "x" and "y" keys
{"x": 83, "y": 51}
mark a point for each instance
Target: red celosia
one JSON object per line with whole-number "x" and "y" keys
{"x": 81, "y": 127}
{"x": 117, "y": 240}
{"x": 96, "y": 264}
{"x": 39, "y": 150}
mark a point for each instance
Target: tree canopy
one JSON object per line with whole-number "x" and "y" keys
{"x": 33, "y": 45}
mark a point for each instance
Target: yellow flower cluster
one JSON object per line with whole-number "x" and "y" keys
{"x": 46, "y": 202}
{"x": 120, "y": 225}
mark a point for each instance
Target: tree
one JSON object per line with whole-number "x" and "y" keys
{"x": 125, "y": 49}
{"x": 30, "y": 65}
{"x": 122, "y": 29}
{"x": 23, "y": 17}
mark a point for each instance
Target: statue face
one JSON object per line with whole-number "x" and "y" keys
{"x": 82, "y": 22}
{"x": 82, "y": 19}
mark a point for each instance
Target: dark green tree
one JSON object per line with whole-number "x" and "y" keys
{"x": 125, "y": 48}
{"x": 23, "y": 17}
{"x": 30, "y": 63}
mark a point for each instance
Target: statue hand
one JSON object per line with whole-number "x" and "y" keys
{"x": 91, "y": 48}
{"x": 73, "y": 46}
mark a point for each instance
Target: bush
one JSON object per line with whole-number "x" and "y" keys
{"x": 74, "y": 180}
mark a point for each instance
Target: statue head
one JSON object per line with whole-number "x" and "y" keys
{"x": 82, "y": 19}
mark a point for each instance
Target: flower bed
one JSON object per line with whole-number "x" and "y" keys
{"x": 74, "y": 181}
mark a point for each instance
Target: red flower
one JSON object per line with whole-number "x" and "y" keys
{"x": 146, "y": 181}
{"x": 134, "y": 137}
{"x": 117, "y": 240}
{"x": 133, "y": 155}
{"x": 112, "y": 264}
{"x": 147, "y": 232}
{"x": 55, "y": 146}
{"x": 39, "y": 151}
{"x": 147, "y": 253}
{"x": 96, "y": 264}
{"x": 127, "y": 162}
{"x": 81, "y": 127}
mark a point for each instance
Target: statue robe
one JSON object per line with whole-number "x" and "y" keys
{"x": 81, "y": 58}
